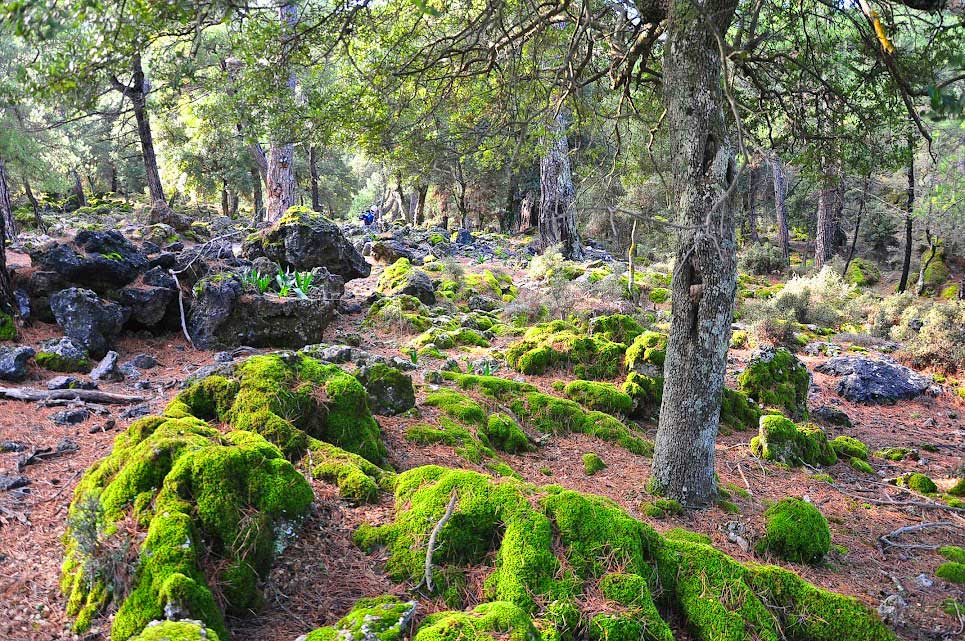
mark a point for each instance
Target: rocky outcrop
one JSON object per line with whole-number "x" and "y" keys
{"x": 87, "y": 319}
{"x": 390, "y": 391}
{"x": 98, "y": 260}
{"x": 864, "y": 380}
{"x": 302, "y": 240}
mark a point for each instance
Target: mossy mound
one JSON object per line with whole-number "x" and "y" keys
{"x": 503, "y": 433}
{"x": 646, "y": 394}
{"x": 472, "y": 447}
{"x": 401, "y": 312}
{"x": 565, "y": 345}
{"x": 918, "y": 482}
{"x": 551, "y": 548}
{"x": 779, "y": 439}
{"x": 176, "y": 631}
{"x": 384, "y": 618}
{"x": 605, "y": 397}
{"x": 442, "y": 338}
{"x": 737, "y": 411}
{"x": 649, "y": 348}
{"x": 205, "y": 509}
{"x": 862, "y": 272}
{"x": 8, "y": 328}
{"x": 618, "y": 328}
{"x": 592, "y": 464}
{"x": 847, "y": 447}
{"x": 958, "y": 489}
{"x": 489, "y": 284}
{"x": 776, "y": 378}
{"x": 495, "y": 387}
{"x": 795, "y": 531}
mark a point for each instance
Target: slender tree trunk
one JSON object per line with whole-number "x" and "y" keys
{"x": 6, "y": 209}
{"x": 113, "y": 170}
{"x": 557, "y": 210}
{"x": 824, "y": 239}
{"x": 857, "y": 224}
{"x": 705, "y": 277}
{"x": 225, "y": 205}
{"x": 257, "y": 200}
{"x": 313, "y": 171}
{"x": 934, "y": 247}
{"x": 507, "y": 222}
{"x": 752, "y": 205}
{"x": 400, "y": 196}
{"x": 233, "y": 203}
{"x": 137, "y": 93}
{"x": 909, "y": 221}
{"x": 38, "y": 219}
{"x": 780, "y": 206}
{"x": 528, "y": 212}
{"x": 78, "y": 189}
{"x": 419, "y": 216}
{"x": 8, "y": 303}
{"x": 281, "y": 157}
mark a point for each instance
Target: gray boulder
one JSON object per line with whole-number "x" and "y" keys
{"x": 107, "y": 369}
{"x": 302, "y": 240}
{"x": 13, "y": 362}
{"x": 91, "y": 322}
{"x": 63, "y": 355}
{"x": 864, "y": 380}
{"x": 390, "y": 391}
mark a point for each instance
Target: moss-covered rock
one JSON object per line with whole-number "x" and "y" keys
{"x": 457, "y": 406}
{"x": 550, "y": 549}
{"x": 176, "y": 631}
{"x": 605, "y": 397}
{"x": 646, "y": 394}
{"x": 648, "y": 349}
{"x": 776, "y": 378}
{"x": 8, "y": 328}
{"x": 401, "y": 312}
{"x": 384, "y": 618}
{"x": 503, "y": 433}
{"x": 958, "y": 489}
{"x": 847, "y": 447}
{"x": 618, "y": 328}
{"x": 402, "y": 278}
{"x": 389, "y": 390}
{"x": 562, "y": 344}
{"x": 779, "y": 439}
{"x": 862, "y": 272}
{"x": 917, "y": 482}
{"x": 795, "y": 531}
{"x": 592, "y": 464}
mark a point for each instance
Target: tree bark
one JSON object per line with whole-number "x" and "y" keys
{"x": 38, "y": 219}
{"x": 780, "y": 206}
{"x": 78, "y": 189}
{"x": 705, "y": 277}
{"x": 313, "y": 172}
{"x": 857, "y": 224}
{"x": 909, "y": 222}
{"x": 419, "y": 216}
{"x": 225, "y": 204}
{"x": 258, "y": 203}
{"x": 752, "y": 205}
{"x": 557, "y": 210}
{"x": 825, "y": 227}
{"x": 927, "y": 257}
{"x": 528, "y": 213}
{"x": 136, "y": 92}
{"x": 281, "y": 157}
{"x": 7, "y": 300}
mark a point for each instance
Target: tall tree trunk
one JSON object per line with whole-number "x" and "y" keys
{"x": 313, "y": 171}
{"x": 752, "y": 205}
{"x": 78, "y": 189}
{"x": 557, "y": 210}
{"x": 400, "y": 195}
{"x": 7, "y": 301}
{"x": 528, "y": 212}
{"x": 257, "y": 200}
{"x": 780, "y": 206}
{"x": 6, "y": 209}
{"x": 507, "y": 222}
{"x": 419, "y": 215}
{"x": 113, "y": 170}
{"x": 281, "y": 157}
{"x": 926, "y": 260}
{"x": 909, "y": 222}
{"x": 857, "y": 224}
{"x": 705, "y": 277}
{"x": 225, "y": 205}
{"x": 136, "y": 92}
{"x": 233, "y": 203}
{"x": 38, "y": 219}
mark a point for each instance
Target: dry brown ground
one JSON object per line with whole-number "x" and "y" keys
{"x": 316, "y": 580}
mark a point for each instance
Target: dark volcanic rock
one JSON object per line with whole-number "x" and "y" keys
{"x": 303, "y": 239}
{"x": 387, "y": 252}
{"x": 869, "y": 381}
{"x": 63, "y": 355}
{"x": 88, "y": 320}
{"x": 390, "y": 391}
{"x": 222, "y": 315}
{"x": 831, "y": 415}
{"x": 13, "y": 362}
{"x": 107, "y": 369}
{"x": 147, "y": 305}
{"x": 71, "y": 417}
{"x": 100, "y": 260}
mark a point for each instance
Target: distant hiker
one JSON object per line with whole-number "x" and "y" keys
{"x": 367, "y": 218}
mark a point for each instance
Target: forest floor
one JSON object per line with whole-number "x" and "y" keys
{"x": 316, "y": 580}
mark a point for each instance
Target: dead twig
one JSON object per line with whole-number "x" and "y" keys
{"x": 885, "y": 539}
{"x": 427, "y": 579}
{"x": 95, "y": 396}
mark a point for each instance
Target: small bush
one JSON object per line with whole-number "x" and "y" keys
{"x": 761, "y": 259}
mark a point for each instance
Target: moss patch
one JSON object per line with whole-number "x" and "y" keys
{"x": 649, "y": 348}
{"x": 604, "y": 397}
{"x": 775, "y": 378}
{"x": 795, "y": 531}
{"x": 779, "y": 439}
{"x": 592, "y": 464}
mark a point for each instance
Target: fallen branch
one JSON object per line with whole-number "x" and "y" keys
{"x": 184, "y": 325}
{"x": 94, "y": 396}
{"x": 885, "y": 539}
{"x": 432, "y": 538}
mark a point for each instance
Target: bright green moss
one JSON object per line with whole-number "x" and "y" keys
{"x": 503, "y": 433}
{"x": 458, "y": 406}
{"x": 646, "y": 394}
{"x": 952, "y": 572}
{"x": 395, "y": 277}
{"x": 176, "y": 631}
{"x": 739, "y": 339}
{"x": 861, "y": 465}
{"x": 659, "y": 295}
{"x": 958, "y": 489}
{"x": 649, "y": 348}
{"x": 401, "y": 311}
{"x": 565, "y": 345}
{"x": 618, "y": 328}
{"x": 953, "y": 553}
{"x": 849, "y": 447}
{"x": 495, "y": 387}
{"x": 795, "y": 531}
{"x": 500, "y": 468}
{"x": 57, "y": 363}
{"x": 779, "y": 439}
{"x": 777, "y": 379}
{"x": 681, "y": 534}
{"x": 917, "y": 482}
{"x": 454, "y": 434}
{"x": 893, "y": 453}
{"x": 384, "y": 618}
{"x": 8, "y": 328}
{"x": 358, "y": 480}
{"x": 862, "y": 272}
{"x": 662, "y": 508}
{"x": 605, "y": 397}
{"x": 592, "y": 464}
{"x": 494, "y": 621}
{"x": 737, "y": 411}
